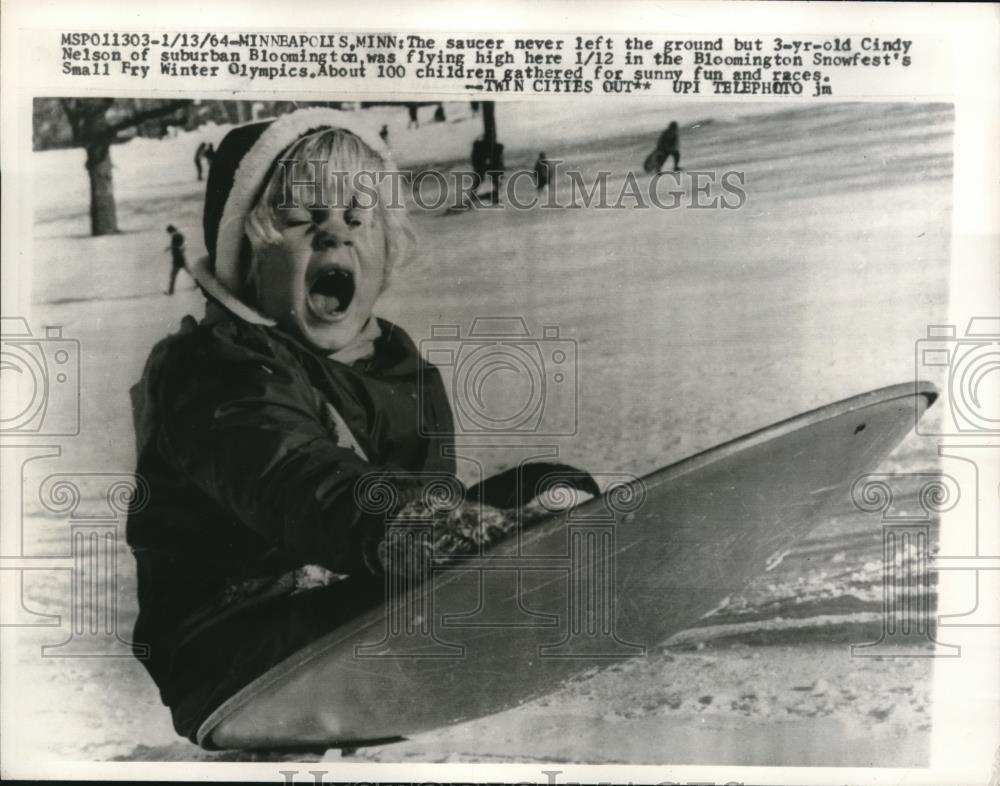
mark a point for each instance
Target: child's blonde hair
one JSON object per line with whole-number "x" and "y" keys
{"x": 344, "y": 153}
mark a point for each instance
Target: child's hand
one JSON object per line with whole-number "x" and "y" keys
{"x": 471, "y": 526}
{"x": 419, "y": 534}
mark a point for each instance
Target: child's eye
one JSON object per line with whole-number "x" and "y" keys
{"x": 355, "y": 215}
{"x": 299, "y": 220}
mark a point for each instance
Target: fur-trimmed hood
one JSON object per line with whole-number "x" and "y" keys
{"x": 241, "y": 167}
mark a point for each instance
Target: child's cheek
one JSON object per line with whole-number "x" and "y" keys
{"x": 279, "y": 284}
{"x": 371, "y": 256}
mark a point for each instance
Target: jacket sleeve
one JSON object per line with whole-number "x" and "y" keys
{"x": 245, "y": 427}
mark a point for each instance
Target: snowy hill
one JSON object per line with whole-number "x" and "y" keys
{"x": 692, "y": 326}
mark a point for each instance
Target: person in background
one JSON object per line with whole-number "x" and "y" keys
{"x": 487, "y": 162}
{"x": 198, "y": 155}
{"x": 177, "y": 259}
{"x": 480, "y": 162}
{"x": 669, "y": 145}
{"x": 542, "y": 172}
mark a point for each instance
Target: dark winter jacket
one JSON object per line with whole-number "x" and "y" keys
{"x": 669, "y": 140}
{"x": 177, "y": 249}
{"x": 240, "y": 432}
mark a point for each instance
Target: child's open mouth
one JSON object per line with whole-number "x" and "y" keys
{"x": 331, "y": 293}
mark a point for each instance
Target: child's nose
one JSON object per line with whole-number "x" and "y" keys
{"x": 324, "y": 241}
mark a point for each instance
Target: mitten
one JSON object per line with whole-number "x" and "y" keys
{"x": 418, "y": 535}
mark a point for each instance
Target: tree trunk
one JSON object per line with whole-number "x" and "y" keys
{"x": 103, "y": 214}
{"x": 489, "y": 125}
{"x": 94, "y": 133}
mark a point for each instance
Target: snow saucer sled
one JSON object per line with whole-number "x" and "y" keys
{"x": 607, "y": 580}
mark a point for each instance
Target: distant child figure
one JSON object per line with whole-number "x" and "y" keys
{"x": 543, "y": 169}
{"x": 413, "y": 122}
{"x": 480, "y": 160}
{"x": 177, "y": 260}
{"x": 669, "y": 145}
{"x": 439, "y": 115}
{"x": 384, "y": 134}
{"x": 487, "y": 162}
{"x": 210, "y": 153}
{"x": 258, "y": 427}
{"x": 199, "y": 153}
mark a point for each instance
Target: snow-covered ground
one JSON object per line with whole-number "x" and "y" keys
{"x": 693, "y": 327}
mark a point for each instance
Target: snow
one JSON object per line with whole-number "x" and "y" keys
{"x": 692, "y": 327}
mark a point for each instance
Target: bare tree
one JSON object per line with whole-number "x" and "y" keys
{"x": 92, "y": 130}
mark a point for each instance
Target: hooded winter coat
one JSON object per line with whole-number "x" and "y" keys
{"x": 251, "y": 446}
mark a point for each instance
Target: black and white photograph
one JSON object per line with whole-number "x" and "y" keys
{"x": 344, "y": 429}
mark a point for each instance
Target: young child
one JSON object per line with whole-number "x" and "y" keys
{"x": 256, "y": 426}
{"x": 177, "y": 259}
{"x": 543, "y": 169}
